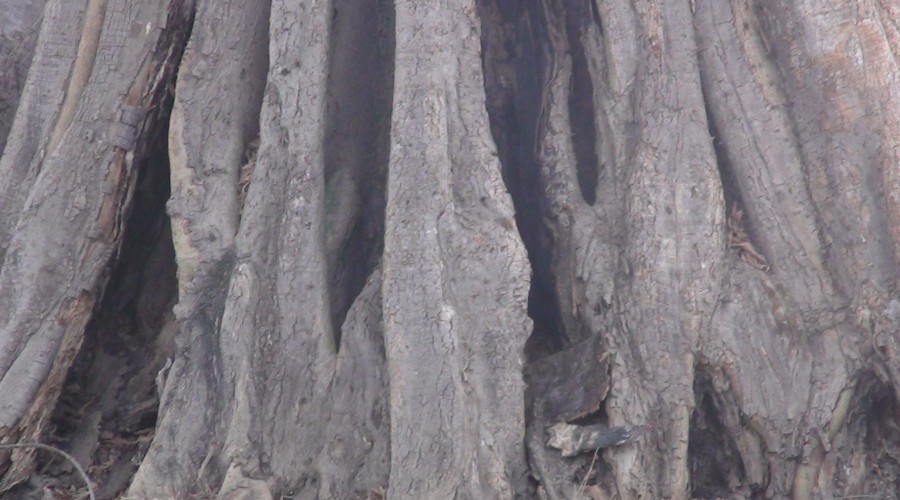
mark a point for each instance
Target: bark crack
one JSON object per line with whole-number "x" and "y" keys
{"x": 517, "y": 65}
{"x": 106, "y": 412}
{"x": 357, "y": 146}
{"x": 738, "y": 225}
{"x": 581, "y": 100}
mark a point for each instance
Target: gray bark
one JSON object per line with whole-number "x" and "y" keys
{"x": 19, "y": 22}
{"x": 272, "y": 397}
{"x": 451, "y": 249}
{"x": 455, "y": 272}
{"x": 64, "y": 185}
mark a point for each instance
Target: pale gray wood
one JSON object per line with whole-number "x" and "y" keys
{"x": 70, "y": 220}
{"x": 708, "y": 193}
{"x": 455, "y": 272}
{"x": 37, "y": 108}
{"x": 808, "y": 175}
{"x": 270, "y": 396}
{"x": 19, "y": 28}
{"x": 215, "y": 115}
{"x": 355, "y": 457}
{"x": 648, "y": 266}
{"x": 673, "y": 239}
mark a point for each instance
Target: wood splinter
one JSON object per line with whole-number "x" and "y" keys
{"x": 572, "y": 440}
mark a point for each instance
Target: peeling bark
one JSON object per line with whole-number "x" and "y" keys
{"x": 47, "y": 296}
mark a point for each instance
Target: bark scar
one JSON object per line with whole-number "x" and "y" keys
{"x": 739, "y": 240}
{"x": 123, "y": 132}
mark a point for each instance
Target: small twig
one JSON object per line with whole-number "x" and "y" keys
{"x": 587, "y": 474}
{"x": 68, "y": 457}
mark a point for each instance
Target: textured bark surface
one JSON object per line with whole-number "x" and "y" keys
{"x": 455, "y": 272}
{"x": 269, "y": 320}
{"x": 67, "y": 185}
{"x": 490, "y": 249}
{"x": 19, "y": 23}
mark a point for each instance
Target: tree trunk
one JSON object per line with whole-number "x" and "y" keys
{"x": 492, "y": 249}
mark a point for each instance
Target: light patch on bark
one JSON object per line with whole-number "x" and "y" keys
{"x": 81, "y": 69}
{"x": 186, "y": 254}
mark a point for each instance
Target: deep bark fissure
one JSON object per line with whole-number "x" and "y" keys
{"x": 516, "y": 66}
{"x": 731, "y": 189}
{"x": 872, "y": 431}
{"x": 528, "y": 49}
{"x": 107, "y": 410}
{"x": 730, "y": 186}
{"x": 106, "y": 413}
{"x": 581, "y": 100}
{"x": 714, "y": 458}
{"x": 357, "y": 147}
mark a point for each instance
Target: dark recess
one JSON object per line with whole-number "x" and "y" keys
{"x": 515, "y": 43}
{"x": 109, "y": 401}
{"x": 357, "y": 147}
{"x": 716, "y": 466}
{"x": 729, "y": 182}
{"x": 106, "y": 414}
{"x": 580, "y": 13}
{"x": 872, "y": 430}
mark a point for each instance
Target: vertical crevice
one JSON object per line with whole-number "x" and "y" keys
{"x": 579, "y": 14}
{"x": 739, "y": 226}
{"x": 260, "y": 54}
{"x": 108, "y": 407}
{"x": 106, "y": 413}
{"x": 871, "y": 431}
{"x": 730, "y": 185}
{"x": 357, "y": 147}
{"x": 716, "y": 466}
{"x": 515, "y": 45}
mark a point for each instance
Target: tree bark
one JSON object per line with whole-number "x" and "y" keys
{"x": 455, "y": 272}
{"x": 67, "y": 178}
{"x": 491, "y": 249}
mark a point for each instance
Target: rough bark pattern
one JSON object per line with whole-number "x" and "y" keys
{"x": 215, "y": 114}
{"x": 652, "y": 149}
{"x": 674, "y": 205}
{"x": 455, "y": 272}
{"x": 37, "y": 110}
{"x": 46, "y": 296}
{"x": 672, "y": 199}
{"x": 356, "y": 432}
{"x": 19, "y": 22}
{"x": 640, "y": 284}
{"x": 258, "y": 400}
{"x": 815, "y": 171}
{"x": 637, "y": 249}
